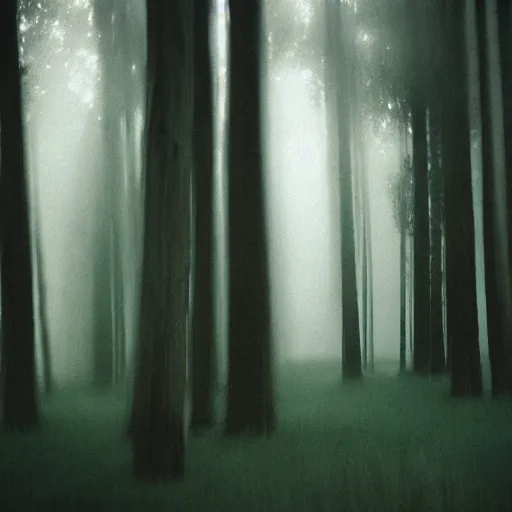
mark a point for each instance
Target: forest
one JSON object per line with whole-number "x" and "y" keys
{"x": 255, "y": 255}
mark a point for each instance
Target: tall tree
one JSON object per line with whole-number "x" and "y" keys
{"x": 250, "y": 405}
{"x": 160, "y": 381}
{"x": 462, "y": 312}
{"x": 339, "y": 56}
{"x": 110, "y": 336}
{"x": 496, "y": 254}
{"x": 203, "y": 347}
{"x": 504, "y": 15}
{"x": 418, "y": 106}
{"x": 18, "y": 351}
{"x": 437, "y": 362}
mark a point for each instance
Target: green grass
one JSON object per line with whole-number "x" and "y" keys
{"x": 385, "y": 444}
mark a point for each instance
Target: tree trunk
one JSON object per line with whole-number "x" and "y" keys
{"x": 369, "y": 335}
{"x": 160, "y": 380}
{"x": 43, "y": 314}
{"x": 250, "y": 406}
{"x": 496, "y": 255}
{"x": 203, "y": 348}
{"x": 504, "y": 8}
{"x": 18, "y": 347}
{"x": 462, "y": 312}
{"x": 338, "y": 55}
{"x": 403, "y": 270}
{"x": 436, "y": 342}
{"x": 421, "y": 240}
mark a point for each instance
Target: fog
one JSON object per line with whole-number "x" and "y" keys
{"x": 67, "y": 153}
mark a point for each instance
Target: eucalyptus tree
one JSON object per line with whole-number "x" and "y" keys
{"x": 159, "y": 418}
{"x": 18, "y": 347}
{"x": 250, "y": 401}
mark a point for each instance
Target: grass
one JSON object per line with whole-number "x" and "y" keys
{"x": 384, "y": 444}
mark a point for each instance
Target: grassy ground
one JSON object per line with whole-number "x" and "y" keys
{"x": 386, "y": 444}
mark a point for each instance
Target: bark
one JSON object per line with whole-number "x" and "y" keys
{"x": 436, "y": 341}
{"x": 364, "y": 293}
{"x": 462, "y": 314}
{"x": 160, "y": 380}
{"x": 43, "y": 315}
{"x": 421, "y": 356}
{"x": 339, "y": 57}
{"x": 368, "y": 268}
{"x": 505, "y": 44}
{"x": 250, "y": 406}
{"x": 497, "y": 277}
{"x": 203, "y": 348}
{"x": 403, "y": 270}
{"x": 18, "y": 344}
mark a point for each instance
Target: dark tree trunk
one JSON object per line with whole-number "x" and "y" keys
{"x": 495, "y": 238}
{"x": 203, "y": 347}
{"x": 505, "y": 43}
{"x": 495, "y": 338}
{"x": 18, "y": 350}
{"x": 250, "y": 406}
{"x": 403, "y": 270}
{"x": 368, "y": 284}
{"x": 160, "y": 380}
{"x": 436, "y": 342}
{"x": 43, "y": 315}
{"x": 364, "y": 293}
{"x": 421, "y": 357}
{"x": 462, "y": 313}
{"x": 340, "y": 59}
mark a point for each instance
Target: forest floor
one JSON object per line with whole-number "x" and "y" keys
{"x": 385, "y": 444}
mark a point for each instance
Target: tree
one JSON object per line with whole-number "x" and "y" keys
{"x": 203, "y": 347}
{"x": 437, "y": 361}
{"x": 418, "y": 107}
{"x": 497, "y": 278}
{"x": 250, "y": 406}
{"x": 160, "y": 380}
{"x": 401, "y": 189}
{"x": 462, "y": 324}
{"x": 18, "y": 358}
{"x": 339, "y": 56}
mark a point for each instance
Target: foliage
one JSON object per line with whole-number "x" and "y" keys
{"x": 58, "y": 38}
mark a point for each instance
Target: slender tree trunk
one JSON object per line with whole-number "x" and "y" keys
{"x": 436, "y": 342}
{"x": 38, "y": 269}
{"x": 462, "y": 312}
{"x": 351, "y": 342}
{"x": 18, "y": 347}
{"x": 111, "y": 20}
{"x": 203, "y": 348}
{"x": 421, "y": 240}
{"x": 364, "y": 293}
{"x": 250, "y": 406}
{"x": 403, "y": 270}
{"x": 43, "y": 314}
{"x": 159, "y": 424}
{"x": 369, "y": 335}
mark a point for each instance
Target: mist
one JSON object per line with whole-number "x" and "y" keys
{"x": 290, "y": 293}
